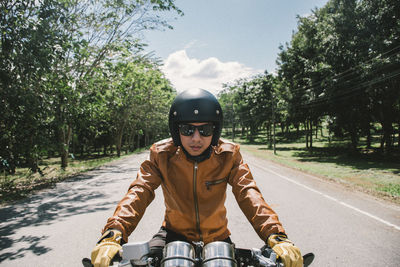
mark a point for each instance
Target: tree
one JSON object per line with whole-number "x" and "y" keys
{"x": 53, "y": 56}
{"x": 28, "y": 37}
{"x": 341, "y": 66}
{"x": 99, "y": 30}
{"x": 138, "y": 92}
{"x": 380, "y": 36}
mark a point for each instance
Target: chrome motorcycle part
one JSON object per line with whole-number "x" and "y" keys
{"x": 219, "y": 254}
{"x": 135, "y": 254}
{"x": 178, "y": 254}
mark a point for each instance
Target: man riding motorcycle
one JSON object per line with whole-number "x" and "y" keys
{"x": 194, "y": 168}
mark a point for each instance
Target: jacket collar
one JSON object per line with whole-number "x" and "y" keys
{"x": 205, "y": 155}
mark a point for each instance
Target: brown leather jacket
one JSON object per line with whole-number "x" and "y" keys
{"x": 195, "y": 193}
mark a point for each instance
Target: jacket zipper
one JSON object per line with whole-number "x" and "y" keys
{"x": 196, "y": 202}
{"x": 215, "y": 182}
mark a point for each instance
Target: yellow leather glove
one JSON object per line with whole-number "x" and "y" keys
{"x": 107, "y": 247}
{"x": 285, "y": 250}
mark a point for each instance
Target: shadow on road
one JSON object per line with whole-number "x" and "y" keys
{"x": 32, "y": 245}
{"x": 82, "y": 194}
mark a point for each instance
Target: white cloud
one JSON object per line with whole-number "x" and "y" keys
{"x": 210, "y": 74}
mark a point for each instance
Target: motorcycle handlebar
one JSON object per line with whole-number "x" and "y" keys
{"x": 264, "y": 257}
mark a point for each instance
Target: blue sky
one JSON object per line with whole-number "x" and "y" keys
{"x": 219, "y": 41}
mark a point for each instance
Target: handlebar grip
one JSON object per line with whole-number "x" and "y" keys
{"x": 308, "y": 259}
{"x": 87, "y": 262}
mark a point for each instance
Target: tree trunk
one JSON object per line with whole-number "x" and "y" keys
{"x": 146, "y": 138}
{"x": 65, "y": 138}
{"x": 269, "y": 132}
{"x": 81, "y": 149}
{"x": 73, "y": 141}
{"x": 11, "y": 162}
{"x": 31, "y": 157}
{"x": 329, "y": 135}
{"x": 120, "y": 132}
{"x": 398, "y": 135}
{"x": 253, "y": 132}
{"x": 306, "y": 130}
{"x": 282, "y": 127}
{"x": 132, "y": 142}
{"x": 118, "y": 145}
{"x": 311, "y": 133}
{"x": 354, "y": 138}
{"x": 387, "y": 128}
{"x": 233, "y": 132}
{"x": 369, "y": 138}
{"x": 274, "y": 138}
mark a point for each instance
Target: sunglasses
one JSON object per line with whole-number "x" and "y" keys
{"x": 204, "y": 130}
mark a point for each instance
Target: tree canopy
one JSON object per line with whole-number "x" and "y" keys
{"x": 341, "y": 67}
{"x": 73, "y": 76}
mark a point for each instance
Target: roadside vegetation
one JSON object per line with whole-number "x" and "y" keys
{"x": 366, "y": 170}
{"x": 333, "y": 103}
{"x": 74, "y": 79}
{"x": 75, "y": 84}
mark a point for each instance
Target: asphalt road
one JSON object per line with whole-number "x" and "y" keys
{"x": 60, "y": 226}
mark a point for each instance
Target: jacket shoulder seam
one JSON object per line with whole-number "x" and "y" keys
{"x": 165, "y": 145}
{"x": 226, "y": 146}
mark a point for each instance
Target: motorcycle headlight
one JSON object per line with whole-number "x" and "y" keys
{"x": 178, "y": 254}
{"x": 217, "y": 254}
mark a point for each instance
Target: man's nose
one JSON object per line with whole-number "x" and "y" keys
{"x": 196, "y": 134}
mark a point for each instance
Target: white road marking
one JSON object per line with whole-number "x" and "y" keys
{"x": 331, "y": 198}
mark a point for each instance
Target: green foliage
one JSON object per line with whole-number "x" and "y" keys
{"x": 249, "y": 102}
{"x": 341, "y": 69}
{"x": 73, "y": 78}
{"x": 392, "y": 189}
{"x": 28, "y": 35}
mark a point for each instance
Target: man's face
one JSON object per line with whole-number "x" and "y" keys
{"x": 196, "y": 143}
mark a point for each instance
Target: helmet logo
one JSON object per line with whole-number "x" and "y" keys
{"x": 217, "y": 111}
{"x": 196, "y": 111}
{"x": 175, "y": 113}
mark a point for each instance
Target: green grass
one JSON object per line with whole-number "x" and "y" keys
{"x": 392, "y": 189}
{"x": 365, "y": 169}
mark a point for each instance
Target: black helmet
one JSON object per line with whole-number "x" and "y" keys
{"x": 195, "y": 106}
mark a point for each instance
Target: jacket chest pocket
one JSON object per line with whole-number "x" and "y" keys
{"x": 211, "y": 183}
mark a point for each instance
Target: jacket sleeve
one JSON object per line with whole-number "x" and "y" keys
{"x": 132, "y": 206}
{"x": 263, "y": 219}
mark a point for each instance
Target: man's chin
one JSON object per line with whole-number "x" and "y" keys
{"x": 195, "y": 152}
